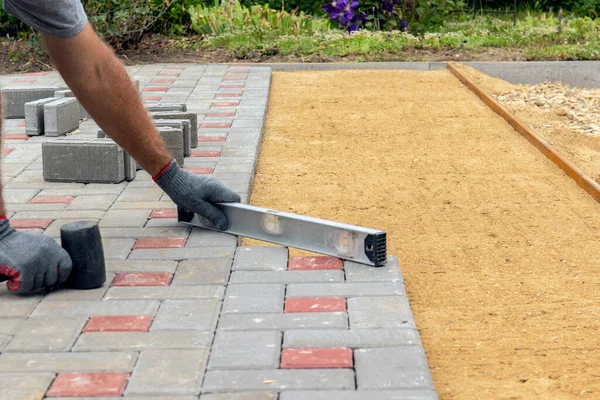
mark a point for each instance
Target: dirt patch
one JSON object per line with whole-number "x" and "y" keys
{"x": 498, "y": 247}
{"x": 568, "y": 118}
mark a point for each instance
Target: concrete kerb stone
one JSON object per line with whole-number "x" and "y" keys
{"x": 15, "y": 97}
{"x": 174, "y": 140}
{"x": 34, "y": 116}
{"x": 178, "y": 115}
{"x": 61, "y": 116}
{"x": 182, "y": 124}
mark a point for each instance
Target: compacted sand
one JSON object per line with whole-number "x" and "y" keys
{"x": 499, "y": 249}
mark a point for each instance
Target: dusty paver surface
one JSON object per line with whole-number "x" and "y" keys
{"x": 498, "y": 247}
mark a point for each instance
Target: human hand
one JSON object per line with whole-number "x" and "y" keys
{"x": 197, "y": 194}
{"x": 31, "y": 261}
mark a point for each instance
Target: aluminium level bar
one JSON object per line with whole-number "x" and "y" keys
{"x": 349, "y": 242}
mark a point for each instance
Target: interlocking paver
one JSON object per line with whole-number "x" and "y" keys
{"x": 88, "y": 308}
{"x": 314, "y": 263}
{"x": 93, "y": 384}
{"x": 409, "y": 394}
{"x": 159, "y": 243}
{"x": 141, "y": 266}
{"x": 254, "y": 298}
{"x": 118, "y": 323}
{"x": 245, "y": 350}
{"x": 286, "y": 276}
{"x": 240, "y": 396}
{"x": 22, "y": 386}
{"x": 201, "y": 272}
{"x": 283, "y": 322}
{"x": 143, "y": 279}
{"x": 261, "y": 259}
{"x": 316, "y": 358}
{"x": 380, "y": 312}
{"x": 46, "y": 334}
{"x": 314, "y": 304}
{"x": 187, "y": 314}
{"x": 117, "y": 341}
{"x": 181, "y": 254}
{"x": 166, "y": 292}
{"x": 168, "y": 372}
{"x": 68, "y": 362}
{"x": 354, "y": 338}
{"x": 390, "y": 272}
{"x": 346, "y": 289}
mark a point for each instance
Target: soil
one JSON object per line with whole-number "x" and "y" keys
{"x": 567, "y": 118}
{"x": 18, "y": 56}
{"x": 499, "y": 249}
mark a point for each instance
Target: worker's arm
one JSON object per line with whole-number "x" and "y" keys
{"x": 100, "y": 82}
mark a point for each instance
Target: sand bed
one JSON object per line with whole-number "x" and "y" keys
{"x": 500, "y": 251}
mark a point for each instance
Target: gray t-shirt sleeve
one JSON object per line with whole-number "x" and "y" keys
{"x": 62, "y": 18}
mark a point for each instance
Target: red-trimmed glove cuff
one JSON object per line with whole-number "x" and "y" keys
{"x": 2, "y": 218}
{"x": 162, "y": 171}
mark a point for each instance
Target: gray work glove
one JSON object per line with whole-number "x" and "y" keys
{"x": 31, "y": 261}
{"x": 196, "y": 193}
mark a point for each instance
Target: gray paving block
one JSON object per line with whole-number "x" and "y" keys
{"x": 90, "y": 308}
{"x": 16, "y": 196}
{"x": 46, "y": 334}
{"x": 265, "y": 258}
{"x": 353, "y": 338}
{"x": 191, "y": 116}
{"x": 390, "y": 272}
{"x": 167, "y": 107}
{"x": 323, "y": 379}
{"x": 286, "y": 276}
{"x": 402, "y": 367}
{"x": 24, "y": 386}
{"x": 124, "y": 218}
{"x": 34, "y": 116}
{"x": 201, "y": 272}
{"x": 363, "y": 289}
{"x": 10, "y": 325}
{"x": 96, "y": 202}
{"x": 408, "y": 394}
{"x": 117, "y": 341}
{"x": 240, "y": 396}
{"x": 245, "y": 350}
{"x": 166, "y": 292}
{"x": 140, "y": 266}
{"x": 199, "y": 315}
{"x": 64, "y": 93}
{"x": 117, "y": 248}
{"x": 16, "y": 306}
{"x": 174, "y": 141}
{"x": 4, "y": 339}
{"x": 151, "y": 193}
{"x": 15, "y": 97}
{"x": 65, "y": 294}
{"x": 184, "y": 126}
{"x": 207, "y": 238}
{"x": 168, "y": 372}
{"x": 181, "y": 254}
{"x": 61, "y": 116}
{"x": 130, "y": 167}
{"x": 380, "y": 312}
{"x": 282, "y": 322}
{"x": 254, "y": 298}
{"x": 85, "y": 161}
{"x": 138, "y": 232}
{"x": 68, "y": 362}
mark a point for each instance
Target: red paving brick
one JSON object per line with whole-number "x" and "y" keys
{"x": 208, "y": 126}
{"x": 231, "y": 86}
{"x": 220, "y": 114}
{"x": 156, "y": 89}
{"x": 157, "y": 98}
{"x": 7, "y": 150}
{"x": 143, "y": 279}
{"x": 169, "y": 74}
{"x": 200, "y": 171}
{"x": 166, "y": 213}
{"x": 30, "y": 223}
{"x": 225, "y": 104}
{"x": 211, "y": 138}
{"x": 76, "y": 384}
{"x": 314, "y": 304}
{"x": 314, "y": 263}
{"x": 168, "y": 81}
{"x": 16, "y": 136}
{"x": 119, "y": 323}
{"x": 223, "y": 95}
{"x": 234, "y": 78}
{"x": 159, "y": 243}
{"x": 51, "y": 200}
{"x": 316, "y": 358}
{"x": 21, "y": 124}
{"x": 206, "y": 154}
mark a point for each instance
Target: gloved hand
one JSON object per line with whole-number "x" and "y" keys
{"x": 31, "y": 261}
{"x": 196, "y": 193}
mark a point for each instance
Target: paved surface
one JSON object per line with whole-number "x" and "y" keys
{"x": 188, "y": 314}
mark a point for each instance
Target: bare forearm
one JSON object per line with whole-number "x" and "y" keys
{"x": 101, "y": 84}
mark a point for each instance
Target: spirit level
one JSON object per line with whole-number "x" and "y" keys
{"x": 349, "y": 242}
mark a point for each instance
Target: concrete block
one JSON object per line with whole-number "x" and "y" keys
{"x": 15, "y": 97}
{"x": 10, "y": 325}
{"x": 192, "y": 117}
{"x": 257, "y": 258}
{"x": 165, "y": 292}
{"x": 278, "y": 379}
{"x": 64, "y": 93}
{"x": 286, "y": 276}
{"x": 198, "y": 315}
{"x": 283, "y": 322}
{"x": 202, "y": 272}
{"x": 240, "y": 396}
{"x": 206, "y": 238}
{"x": 68, "y": 362}
{"x": 25, "y": 385}
{"x": 254, "y": 298}
{"x": 167, "y": 107}
{"x": 403, "y": 367}
{"x": 168, "y": 372}
{"x": 390, "y": 272}
{"x": 46, "y": 334}
{"x": 408, "y": 394}
{"x": 61, "y": 116}
{"x": 88, "y": 308}
{"x": 16, "y": 306}
{"x": 34, "y": 116}
{"x": 124, "y": 218}
{"x": 380, "y": 313}
{"x": 184, "y": 126}
{"x": 353, "y": 338}
{"x": 193, "y": 253}
{"x": 85, "y": 161}
{"x": 173, "y": 139}
{"x": 363, "y": 289}
{"x": 116, "y": 341}
{"x": 130, "y": 166}
{"x": 245, "y": 350}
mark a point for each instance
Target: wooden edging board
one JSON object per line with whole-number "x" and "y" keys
{"x": 573, "y": 172}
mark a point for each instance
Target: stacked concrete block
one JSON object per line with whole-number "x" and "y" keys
{"x": 192, "y": 117}
{"x": 130, "y": 163}
{"x": 166, "y": 107}
{"x": 85, "y": 161}
{"x": 34, "y": 116}
{"x": 173, "y": 139}
{"x": 15, "y": 97}
{"x": 68, "y": 93}
{"x": 61, "y": 116}
{"x": 184, "y": 126}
